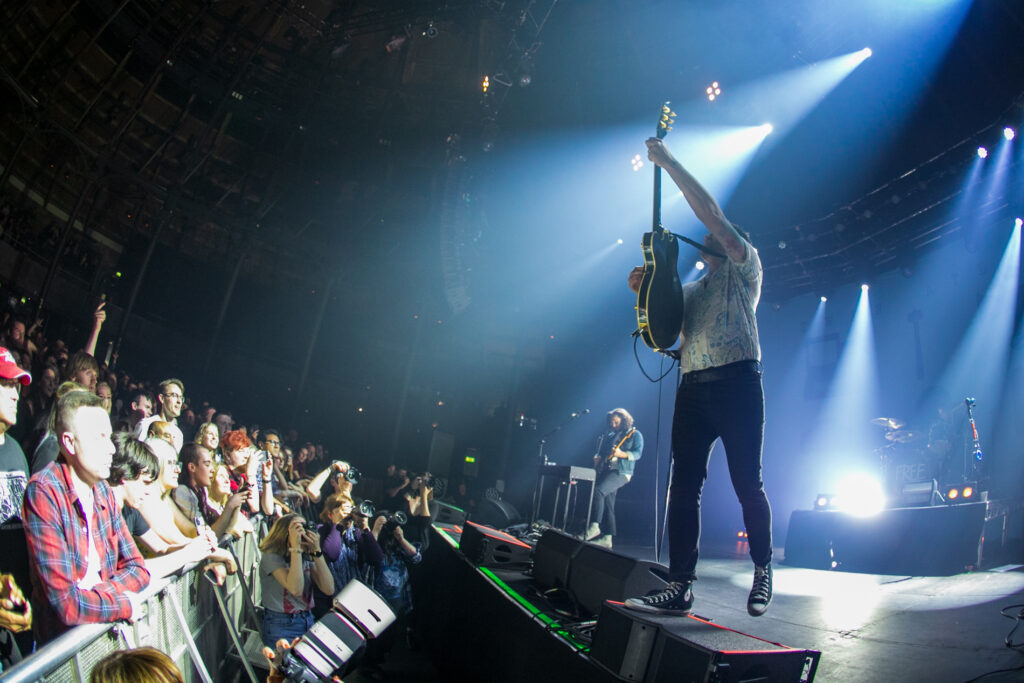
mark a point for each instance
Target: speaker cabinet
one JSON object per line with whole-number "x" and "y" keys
{"x": 487, "y": 547}
{"x": 672, "y": 649}
{"x": 495, "y": 513}
{"x": 445, "y": 513}
{"x": 551, "y": 558}
{"x": 597, "y": 574}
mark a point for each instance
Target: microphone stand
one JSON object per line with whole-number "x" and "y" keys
{"x": 976, "y": 466}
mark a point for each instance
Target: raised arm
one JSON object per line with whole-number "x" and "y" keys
{"x": 97, "y": 323}
{"x": 700, "y": 200}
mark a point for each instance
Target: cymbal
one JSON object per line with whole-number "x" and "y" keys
{"x": 888, "y": 422}
{"x": 900, "y": 436}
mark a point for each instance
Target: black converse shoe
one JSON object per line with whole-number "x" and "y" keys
{"x": 676, "y": 598}
{"x": 761, "y": 592}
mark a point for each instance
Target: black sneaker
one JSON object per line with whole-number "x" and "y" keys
{"x": 676, "y": 598}
{"x": 761, "y": 592}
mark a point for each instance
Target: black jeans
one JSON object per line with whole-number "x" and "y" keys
{"x": 731, "y": 408}
{"x": 603, "y": 512}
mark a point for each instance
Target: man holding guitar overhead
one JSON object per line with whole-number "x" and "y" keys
{"x": 719, "y": 395}
{"x": 617, "y": 453}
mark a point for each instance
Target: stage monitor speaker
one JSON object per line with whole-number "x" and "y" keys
{"x": 672, "y": 649}
{"x": 495, "y": 513}
{"x": 445, "y": 513}
{"x": 597, "y": 574}
{"x": 551, "y": 558}
{"x": 487, "y": 547}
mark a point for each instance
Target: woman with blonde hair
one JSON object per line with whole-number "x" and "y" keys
{"x": 217, "y": 494}
{"x": 209, "y": 436}
{"x": 292, "y": 562}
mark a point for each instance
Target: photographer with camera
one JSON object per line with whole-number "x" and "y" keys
{"x": 337, "y": 475}
{"x": 417, "y": 500}
{"x": 292, "y": 562}
{"x": 349, "y": 546}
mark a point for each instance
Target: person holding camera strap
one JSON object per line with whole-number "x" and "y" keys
{"x": 292, "y": 561}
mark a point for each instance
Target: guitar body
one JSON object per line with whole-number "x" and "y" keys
{"x": 605, "y": 461}
{"x": 659, "y": 303}
{"x": 659, "y": 309}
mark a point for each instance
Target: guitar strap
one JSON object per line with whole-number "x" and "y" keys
{"x": 700, "y": 246}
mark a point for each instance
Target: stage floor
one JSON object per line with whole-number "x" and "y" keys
{"x": 872, "y": 628}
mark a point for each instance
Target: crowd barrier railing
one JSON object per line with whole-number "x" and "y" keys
{"x": 182, "y": 619}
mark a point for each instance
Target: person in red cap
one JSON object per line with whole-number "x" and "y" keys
{"x": 15, "y": 613}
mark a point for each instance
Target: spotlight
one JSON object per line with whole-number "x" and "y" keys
{"x": 1016, "y": 224}
{"x": 866, "y": 52}
{"x": 699, "y": 265}
{"x": 968, "y": 491}
{"x": 619, "y": 241}
{"x": 982, "y": 152}
{"x": 782, "y": 244}
{"x": 952, "y": 494}
{"x": 637, "y": 162}
{"x": 525, "y": 80}
{"x": 1008, "y": 133}
{"x": 824, "y": 501}
{"x": 824, "y": 299}
{"x": 713, "y": 91}
{"x": 430, "y": 31}
{"x": 860, "y": 495}
{"x": 486, "y": 83}
{"x": 767, "y": 129}
{"x": 864, "y": 287}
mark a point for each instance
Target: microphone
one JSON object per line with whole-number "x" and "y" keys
{"x": 581, "y": 412}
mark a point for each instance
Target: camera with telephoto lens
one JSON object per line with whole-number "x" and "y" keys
{"x": 353, "y": 475}
{"x": 365, "y": 508}
{"x": 334, "y": 644}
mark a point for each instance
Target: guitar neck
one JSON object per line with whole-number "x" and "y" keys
{"x": 656, "y": 222}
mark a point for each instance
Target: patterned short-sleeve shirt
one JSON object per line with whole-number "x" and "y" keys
{"x": 719, "y": 325}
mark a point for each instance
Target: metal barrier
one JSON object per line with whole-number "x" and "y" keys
{"x": 181, "y": 619}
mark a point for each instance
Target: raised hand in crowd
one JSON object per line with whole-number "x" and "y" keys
{"x": 98, "y": 318}
{"x": 15, "y": 610}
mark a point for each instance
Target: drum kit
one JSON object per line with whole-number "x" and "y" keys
{"x": 906, "y": 456}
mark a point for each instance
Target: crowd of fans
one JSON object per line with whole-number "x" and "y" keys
{"x": 107, "y": 481}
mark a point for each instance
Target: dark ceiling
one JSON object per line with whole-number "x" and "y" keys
{"x": 303, "y": 142}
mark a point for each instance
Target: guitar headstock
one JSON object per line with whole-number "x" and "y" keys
{"x": 665, "y": 120}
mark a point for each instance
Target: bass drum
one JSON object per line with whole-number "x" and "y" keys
{"x": 909, "y": 465}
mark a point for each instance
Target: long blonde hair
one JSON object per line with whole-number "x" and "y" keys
{"x": 143, "y": 665}
{"x": 276, "y": 542}
{"x": 220, "y": 499}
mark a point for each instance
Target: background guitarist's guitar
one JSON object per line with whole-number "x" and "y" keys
{"x": 659, "y": 304}
{"x": 602, "y": 465}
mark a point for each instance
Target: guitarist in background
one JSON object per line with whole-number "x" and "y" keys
{"x": 719, "y": 395}
{"x": 616, "y": 457}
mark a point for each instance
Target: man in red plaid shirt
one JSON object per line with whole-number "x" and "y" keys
{"x": 84, "y": 564}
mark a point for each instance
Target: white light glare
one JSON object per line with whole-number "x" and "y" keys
{"x": 699, "y": 265}
{"x": 620, "y": 240}
{"x": 824, "y": 299}
{"x": 982, "y": 152}
{"x": 1008, "y": 133}
{"x": 767, "y": 128}
{"x": 866, "y": 52}
{"x": 637, "y": 162}
{"x": 1017, "y": 223}
{"x": 864, "y": 287}
{"x": 861, "y": 495}
{"x": 713, "y": 91}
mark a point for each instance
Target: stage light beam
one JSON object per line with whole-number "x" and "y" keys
{"x": 1008, "y": 133}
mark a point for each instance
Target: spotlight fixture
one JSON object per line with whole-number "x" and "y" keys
{"x": 767, "y": 128}
{"x": 619, "y": 241}
{"x": 699, "y": 265}
{"x": 864, "y": 287}
{"x": 824, "y": 299}
{"x": 430, "y": 31}
{"x": 637, "y": 162}
{"x": 713, "y": 91}
{"x": 486, "y": 83}
{"x": 982, "y": 152}
{"x": 866, "y": 52}
{"x": 826, "y": 501}
{"x": 1008, "y": 133}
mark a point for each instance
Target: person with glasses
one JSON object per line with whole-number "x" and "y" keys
{"x": 170, "y": 400}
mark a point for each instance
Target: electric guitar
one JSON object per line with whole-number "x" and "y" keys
{"x": 603, "y": 463}
{"x": 659, "y": 304}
